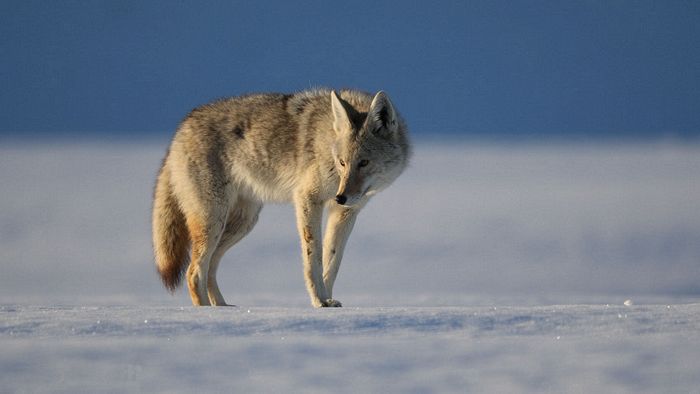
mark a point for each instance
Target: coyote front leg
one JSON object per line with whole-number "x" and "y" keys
{"x": 309, "y": 214}
{"x": 340, "y": 223}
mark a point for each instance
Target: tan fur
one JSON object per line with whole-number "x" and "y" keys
{"x": 170, "y": 237}
{"x": 197, "y": 277}
{"x": 229, "y": 157}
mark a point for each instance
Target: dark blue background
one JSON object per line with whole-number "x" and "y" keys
{"x": 503, "y": 69}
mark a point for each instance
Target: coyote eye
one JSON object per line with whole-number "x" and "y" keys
{"x": 342, "y": 162}
{"x": 363, "y": 163}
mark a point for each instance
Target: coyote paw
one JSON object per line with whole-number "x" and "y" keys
{"x": 331, "y": 303}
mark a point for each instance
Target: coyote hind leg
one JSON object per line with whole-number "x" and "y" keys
{"x": 204, "y": 234}
{"x": 241, "y": 219}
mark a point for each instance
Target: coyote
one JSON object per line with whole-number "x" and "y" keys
{"x": 314, "y": 148}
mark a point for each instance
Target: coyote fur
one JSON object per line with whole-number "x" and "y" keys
{"x": 315, "y": 149}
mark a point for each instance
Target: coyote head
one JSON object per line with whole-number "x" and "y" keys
{"x": 370, "y": 150}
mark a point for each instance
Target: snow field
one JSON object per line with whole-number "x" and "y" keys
{"x": 483, "y": 269}
{"x": 482, "y": 349}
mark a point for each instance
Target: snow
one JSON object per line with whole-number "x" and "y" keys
{"x": 420, "y": 349}
{"x": 183, "y": 349}
{"x": 485, "y": 268}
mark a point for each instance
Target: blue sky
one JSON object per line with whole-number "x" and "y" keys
{"x": 504, "y": 69}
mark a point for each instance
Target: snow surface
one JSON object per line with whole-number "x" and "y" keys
{"x": 451, "y": 349}
{"x": 485, "y": 268}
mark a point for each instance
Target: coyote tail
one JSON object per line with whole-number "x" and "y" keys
{"x": 170, "y": 236}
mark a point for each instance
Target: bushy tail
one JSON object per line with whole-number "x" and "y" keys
{"x": 170, "y": 237}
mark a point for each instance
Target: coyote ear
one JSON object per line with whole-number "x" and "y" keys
{"x": 341, "y": 121}
{"x": 381, "y": 118}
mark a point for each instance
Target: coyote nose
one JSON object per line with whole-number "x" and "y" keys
{"x": 340, "y": 199}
